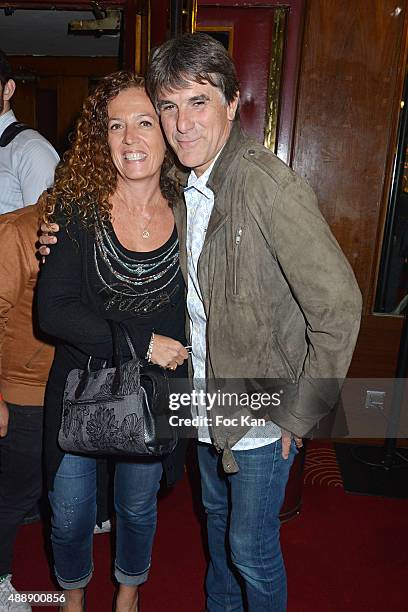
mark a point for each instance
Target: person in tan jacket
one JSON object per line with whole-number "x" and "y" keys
{"x": 25, "y": 361}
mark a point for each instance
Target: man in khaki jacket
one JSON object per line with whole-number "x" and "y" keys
{"x": 25, "y": 361}
{"x": 272, "y": 303}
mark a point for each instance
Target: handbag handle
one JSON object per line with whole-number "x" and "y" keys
{"x": 85, "y": 376}
{"x": 117, "y": 354}
{"x": 117, "y": 360}
{"x": 128, "y": 340}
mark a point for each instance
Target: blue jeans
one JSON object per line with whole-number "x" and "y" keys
{"x": 73, "y": 503}
{"x": 243, "y": 528}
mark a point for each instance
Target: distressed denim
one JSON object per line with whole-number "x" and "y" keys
{"x": 73, "y": 503}
{"x": 243, "y": 528}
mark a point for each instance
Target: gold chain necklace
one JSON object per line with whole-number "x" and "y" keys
{"x": 145, "y": 231}
{"x": 145, "y": 234}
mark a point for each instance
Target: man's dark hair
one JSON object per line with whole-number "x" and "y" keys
{"x": 191, "y": 57}
{"x": 6, "y": 72}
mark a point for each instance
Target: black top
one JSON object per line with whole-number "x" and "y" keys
{"x": 79, "y": 291}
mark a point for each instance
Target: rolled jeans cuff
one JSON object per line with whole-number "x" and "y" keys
{"x": 131, "y": 579}
{"x": 74, "y": 584}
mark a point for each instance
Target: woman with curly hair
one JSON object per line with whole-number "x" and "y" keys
{"x": 116, "y": 259}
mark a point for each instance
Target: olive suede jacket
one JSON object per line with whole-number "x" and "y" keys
{"x": 281, "y": 300}
{"x": 25, "y": 356}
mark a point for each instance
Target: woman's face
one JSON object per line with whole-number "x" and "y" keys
{"x": 134, "y": 136}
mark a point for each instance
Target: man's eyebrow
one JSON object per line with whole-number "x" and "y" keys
{"x": 198, "y": 98}
{"x": 161, "y": 102}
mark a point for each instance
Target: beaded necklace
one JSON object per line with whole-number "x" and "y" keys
{"x": 139, "y": 285}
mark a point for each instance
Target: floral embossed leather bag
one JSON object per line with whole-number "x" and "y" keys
{"x": 123, "y": 410}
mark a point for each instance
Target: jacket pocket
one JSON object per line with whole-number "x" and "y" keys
{"x": 34, "y": 357}
{"x": 289, "y": 369}
{"x": 237, "y": 248}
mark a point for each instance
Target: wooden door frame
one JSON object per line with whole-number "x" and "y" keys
{"x": 287, "y": 42}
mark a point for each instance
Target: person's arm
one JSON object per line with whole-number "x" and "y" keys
{"x": 323, "y": 283}
{"x": 14, "y": 275}
{"x": 36, "y": 167}
{"x": 61, "y": 312}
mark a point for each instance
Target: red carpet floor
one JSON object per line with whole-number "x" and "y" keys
{"x": 343, "y": 553}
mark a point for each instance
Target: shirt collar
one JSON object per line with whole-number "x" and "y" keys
{"x": 6, "y": 120}
{"x": 200, "y": 182}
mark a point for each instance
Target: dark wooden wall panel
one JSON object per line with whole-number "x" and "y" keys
{"x": 348, "y": 99}
{"x": 63, "y": 66}
{"x": 160, "y": 11}
{"x": 51, "y": 98}
{"x": 377, "y": 347}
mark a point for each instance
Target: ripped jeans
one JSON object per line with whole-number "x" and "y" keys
{"x": 73, "y": 503}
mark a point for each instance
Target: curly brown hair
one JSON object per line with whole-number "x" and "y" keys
{"x": 86, "y": 176}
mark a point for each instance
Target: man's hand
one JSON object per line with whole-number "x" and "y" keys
{"x": 286, "y": 441}
{"x": 4, "y": 419}
{"x": 47, "y": 237}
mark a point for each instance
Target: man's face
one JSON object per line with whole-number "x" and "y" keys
{"x": 197, "y": 122}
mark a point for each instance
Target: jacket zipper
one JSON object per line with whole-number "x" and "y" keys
{"x": 237, "y": 242}
{"x": 285, "y": 361}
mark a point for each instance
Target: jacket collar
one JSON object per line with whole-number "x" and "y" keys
{"x": 216, "y": 178}
{"x": 220, "y": 170}
{"x": 223, "y": 163}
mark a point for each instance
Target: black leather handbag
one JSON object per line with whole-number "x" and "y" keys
{"x": 120, "y": 410}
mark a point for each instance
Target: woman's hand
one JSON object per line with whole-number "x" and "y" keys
{"x": 167, "y": 352}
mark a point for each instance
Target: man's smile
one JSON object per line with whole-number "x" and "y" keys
{"x": 187, "y": 144}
